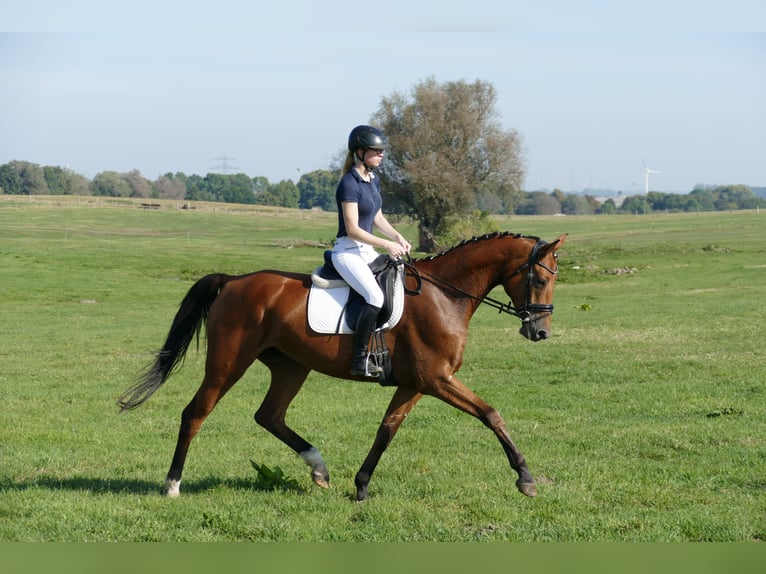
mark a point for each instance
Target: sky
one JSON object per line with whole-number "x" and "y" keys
{"x": 596, "y": 89}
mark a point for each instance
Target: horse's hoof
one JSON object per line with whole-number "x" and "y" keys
{"x": 172, "y": 488}
{"x": 321, "y": 480}
{"x": 527, "y": 488}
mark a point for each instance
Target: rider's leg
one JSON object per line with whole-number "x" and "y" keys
{"x": 351, "y": 260}
{"x": 365, "y": 324}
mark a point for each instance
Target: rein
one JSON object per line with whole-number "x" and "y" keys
{"x": 524, "y": 314}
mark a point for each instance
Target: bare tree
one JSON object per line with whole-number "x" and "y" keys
{"x": 139, "y": 185}
{"x": 447, "y": 150}
{"x": 170, "y": 187}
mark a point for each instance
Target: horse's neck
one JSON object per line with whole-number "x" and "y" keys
{"x": 470, "y": 268}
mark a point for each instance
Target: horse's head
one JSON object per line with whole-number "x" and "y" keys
{"x": 530, "y": 287}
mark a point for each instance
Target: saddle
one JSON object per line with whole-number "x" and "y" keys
{"x": 388, "y": 273}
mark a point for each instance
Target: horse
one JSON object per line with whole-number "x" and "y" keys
{"x": 263, "y": 316}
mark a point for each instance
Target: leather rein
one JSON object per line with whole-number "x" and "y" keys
{"x": 524, "y": 314}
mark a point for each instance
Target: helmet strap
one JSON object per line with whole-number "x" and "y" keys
{"x": 361, "y": 160}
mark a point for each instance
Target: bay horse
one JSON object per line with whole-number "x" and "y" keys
{"x": 263, "y": 315}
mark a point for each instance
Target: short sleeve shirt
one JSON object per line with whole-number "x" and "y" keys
{"x": 366, "y": 194}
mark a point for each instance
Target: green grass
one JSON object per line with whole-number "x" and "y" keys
{"x": 643, "y": 417}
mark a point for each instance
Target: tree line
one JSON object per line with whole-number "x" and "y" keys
{"x": 316, "y": 189}
{"x": 701, "y": 198}
{"x": 450, "y": 164}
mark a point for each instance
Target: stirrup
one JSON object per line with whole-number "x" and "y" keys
{"x": 370, "y": 370}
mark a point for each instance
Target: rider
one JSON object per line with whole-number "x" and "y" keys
{"x": 359, "y": 212}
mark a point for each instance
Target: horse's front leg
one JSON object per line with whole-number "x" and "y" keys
{"x": 455, "y": 393}
{"x": 401, "y": 404}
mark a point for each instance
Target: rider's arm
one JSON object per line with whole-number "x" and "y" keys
{"x": 388, "y": 230}
{"x": 351, "y": 220}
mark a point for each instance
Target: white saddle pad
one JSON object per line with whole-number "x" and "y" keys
{"x": 326, "y": 308}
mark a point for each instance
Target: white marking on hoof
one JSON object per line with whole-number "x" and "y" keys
{"x": 319, "y": 473}
{"x": 172, "y": 488}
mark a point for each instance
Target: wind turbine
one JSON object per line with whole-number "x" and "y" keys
{"x": 647, "y": 171}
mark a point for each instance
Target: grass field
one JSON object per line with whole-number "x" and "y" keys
{"x": 643, "y": 417}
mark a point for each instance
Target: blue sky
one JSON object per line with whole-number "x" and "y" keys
{"x": 593, "y": 87}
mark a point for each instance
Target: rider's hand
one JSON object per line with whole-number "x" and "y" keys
{"x": 395, "y": 249}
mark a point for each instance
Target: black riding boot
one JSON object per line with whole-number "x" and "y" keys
{"x": 365, "y": 324}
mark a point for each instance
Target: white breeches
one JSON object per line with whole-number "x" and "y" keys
{"x": 351, "y": 259}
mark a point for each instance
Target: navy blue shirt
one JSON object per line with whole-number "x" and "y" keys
{"x": 366, "y": 194}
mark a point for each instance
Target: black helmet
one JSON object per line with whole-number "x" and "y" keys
{"x": 365, "y": 137}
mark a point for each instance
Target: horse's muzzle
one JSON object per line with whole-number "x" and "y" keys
{"x": 534, "y": 332}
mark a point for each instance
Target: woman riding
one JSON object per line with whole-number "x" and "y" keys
{"x": 359, "y": 213}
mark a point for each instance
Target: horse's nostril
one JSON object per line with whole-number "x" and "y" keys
{"x": 542, "y": 335}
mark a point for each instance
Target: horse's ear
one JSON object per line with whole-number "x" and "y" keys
{"x": 555, "y": 244}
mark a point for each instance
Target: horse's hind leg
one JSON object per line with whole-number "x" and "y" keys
{"x": 287, "y": 378}
{"x": 210, "y": 392}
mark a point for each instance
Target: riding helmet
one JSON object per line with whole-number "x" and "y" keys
{"x": 365, "y": 137}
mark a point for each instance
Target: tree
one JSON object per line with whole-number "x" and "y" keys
{"x": 110, "y": 183}
{"x": 56, "y": 178}
{"x": 240, "y": 189}
{"x": 595, "y": 204}
{"x": 226, "y": 188}
{"x": 23, "y": 178}
{"x": 656, "y": 200}
{"x": 447, "y": 148}
{"x": 197, "y": 188}
{"x": 169, "y": 186}
{"x": 575, "y": 204}
{"x": 217, "y": 184}
{"x": 704, "y": 198}
{"x": 282, "y": 194}
{"x": 735, "y": 197}
{"x": 634, "y": 204}
{"x": 260, "y": 184}
{"x": 539, "y": 203}
{"x": 139, "y": 185}
{"x": 10, "y": 181}
{"x": 317, "y": 189}
{"x": 63, "y": 181}
{"x": 608, "y": 207}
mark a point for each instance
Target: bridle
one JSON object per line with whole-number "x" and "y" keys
{"x": 527, "y": 310}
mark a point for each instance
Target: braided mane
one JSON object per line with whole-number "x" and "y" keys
{"x": 477, "y": 239}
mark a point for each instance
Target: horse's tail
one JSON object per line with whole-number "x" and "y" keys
{"x": 192, "y": 314}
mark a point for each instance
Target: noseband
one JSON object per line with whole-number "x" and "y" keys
{"x": 528, "y": 309}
